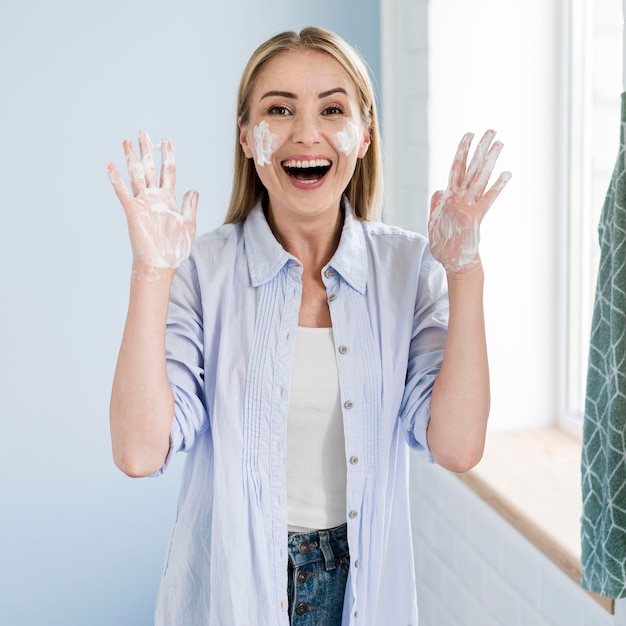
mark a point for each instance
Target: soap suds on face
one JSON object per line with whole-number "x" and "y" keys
{"x": 264, "y": 143}
{"x": 348, "y": 138}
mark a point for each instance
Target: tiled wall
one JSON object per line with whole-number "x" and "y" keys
{"x": 474, "y": 569}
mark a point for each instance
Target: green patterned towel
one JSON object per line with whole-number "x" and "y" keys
{"x": 603, "y": 533}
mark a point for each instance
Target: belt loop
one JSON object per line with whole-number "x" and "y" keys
{"x": 327, "y": 552}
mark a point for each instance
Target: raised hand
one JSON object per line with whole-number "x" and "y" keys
{"x": 160, "y": 235}
{"x": 456, "y": 213}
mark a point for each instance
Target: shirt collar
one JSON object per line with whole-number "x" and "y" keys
{"x": 350, "y": 258}
{"x": 266, "y": 257}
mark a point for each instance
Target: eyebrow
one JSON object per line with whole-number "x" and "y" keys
{"x": 292, "y": 96}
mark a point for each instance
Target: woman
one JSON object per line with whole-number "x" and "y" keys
{"x": 297, "y": 350}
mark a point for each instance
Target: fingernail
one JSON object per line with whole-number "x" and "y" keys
{"x": 110, "y": 172}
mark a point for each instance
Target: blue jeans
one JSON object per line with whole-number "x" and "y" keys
{"x": 318, "y": 568}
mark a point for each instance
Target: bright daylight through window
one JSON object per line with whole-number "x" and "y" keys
{"x": 594, "y": 100}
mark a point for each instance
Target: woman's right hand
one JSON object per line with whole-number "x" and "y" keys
{"x": 160, "y": 235}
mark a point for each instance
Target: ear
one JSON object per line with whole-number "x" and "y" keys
{"x": 365, "y": 144}
{"x": 243, "y": 139}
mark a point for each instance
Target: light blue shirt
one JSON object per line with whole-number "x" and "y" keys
{"x": 230, "y": 339}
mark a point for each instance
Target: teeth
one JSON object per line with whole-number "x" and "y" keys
{"x": 307, "y": 164}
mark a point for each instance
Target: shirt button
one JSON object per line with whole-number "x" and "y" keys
{"x": 354, "y": 460}
{"x": 332, "y": 297}
{"x": 328, "y": 273}
{"x": 348, "y": 404}
{"x": 353, "y": 514}
{"x": 343, "y": 349}
{"x": 357, "y": 563}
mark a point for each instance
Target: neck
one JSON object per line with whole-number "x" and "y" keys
{"x": 312, "y": 241}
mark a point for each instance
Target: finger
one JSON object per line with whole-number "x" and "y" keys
{"x": 168, "y": 164}
{"x": 457, "y": 171}
{"x": 118, "y": 185}
{"x": 135, "y": 169}
{"x": 478, "y": 158}
{"x": 147, "y": 160}
{"x": 190, "y": 205}
{"x": 435, "y": 201}
{"x": 494, "y": 191}
{"x": 479, "y": 184}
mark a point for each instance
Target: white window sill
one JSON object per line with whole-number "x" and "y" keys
{"x": 532, "y": 479}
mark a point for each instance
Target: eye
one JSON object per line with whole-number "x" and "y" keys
{"x": 333, "y": 109}
{"x": 279, "y": 109}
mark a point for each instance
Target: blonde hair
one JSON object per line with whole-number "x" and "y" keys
{"x": 364, "y": 191}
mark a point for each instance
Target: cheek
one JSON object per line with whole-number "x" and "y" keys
{"x": 348, "y": 139}
{"x": 264, "y": 143}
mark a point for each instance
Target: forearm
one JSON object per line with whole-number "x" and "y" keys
{"x": 461, "y": 397}
{"x": 142, "y": 405}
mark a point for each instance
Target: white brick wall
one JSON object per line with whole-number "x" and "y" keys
{"x": 405, "y": 111}
{"x": 474, "y": 569}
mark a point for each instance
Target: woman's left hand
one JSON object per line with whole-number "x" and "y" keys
{"x": 456, "y": 213}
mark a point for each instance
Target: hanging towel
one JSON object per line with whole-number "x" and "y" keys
{"x": 603, "y": 533}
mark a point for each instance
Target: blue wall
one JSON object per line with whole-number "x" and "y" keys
{"x": 81, "y": 544}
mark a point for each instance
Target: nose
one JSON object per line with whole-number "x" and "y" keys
{"x": 305, "y": 129}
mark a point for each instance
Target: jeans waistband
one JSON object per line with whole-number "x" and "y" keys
{"x": 321, "y": 544}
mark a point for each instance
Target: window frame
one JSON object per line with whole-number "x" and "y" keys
{"x": 583, "y": 204}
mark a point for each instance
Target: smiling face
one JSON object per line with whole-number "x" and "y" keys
{"x": 305, "y": 134}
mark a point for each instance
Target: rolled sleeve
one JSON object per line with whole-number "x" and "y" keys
{"x": 430, "y": 324}
{"x": 185, "y": 362}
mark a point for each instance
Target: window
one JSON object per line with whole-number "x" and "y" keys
{"x": 552, "y": 92}
{"x": 594, "y": 109}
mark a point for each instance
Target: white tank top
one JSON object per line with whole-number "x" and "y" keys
{"x": 316, "y": 457}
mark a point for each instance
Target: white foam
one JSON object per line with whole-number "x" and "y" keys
{"x": 348, "y": 138}
{"x": 264, "y": 143}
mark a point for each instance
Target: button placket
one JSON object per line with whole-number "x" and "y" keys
{"x": 330, "y": 284}
{"x": 351, "y": 409}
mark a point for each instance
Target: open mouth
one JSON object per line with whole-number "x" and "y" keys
{"x": 307, "y": 172}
